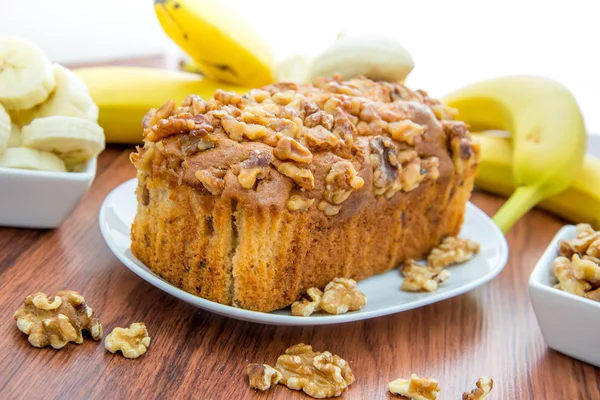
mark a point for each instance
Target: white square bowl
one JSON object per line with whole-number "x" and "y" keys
{"x": 41, "y": 199}
{"x": 570, "y": 324}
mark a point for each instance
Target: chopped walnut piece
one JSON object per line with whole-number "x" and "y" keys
{"x": 58, "y": 320}
{"x": 283, "y": 98}
{"x": 328, "y": 208}
{"x": 303, "y": 177}
{"x": 341, "y": 181}
{"x": 385, "y": 173}
{"x": 154, "y": 115}
{"x": 319, "y": 118}
{"x": 563, "y": 269}
{"x": 254, "y": 168}
{"x": 484, "y": 387}
{"x": 307, "y": 306}
{"x": 132, "y": 341}
{"x": 452, "y": 250}
{"x": 584, "y": 269}
{"x": 415, "y": 388}
{"x": 319, "y": 375}
{"x": 299, "y": 203}
{"x": 464, "y": 150}
{"x": 228, "y": 97}
{"x": 262, "y": 376}
{"x": 173, "y": 125}
{"x": 289, "y": 149}
{"x": 320, "y": 137}
{"x": 237, "y": 130}
{"x": 341, "y": 295}
{"x": 284, "y": 127}
{"x": 259, "y": 94}
{"x": 593, "y": 295}
{"x": 406, "y": 131}
{"x": 422, "y": 277}
{"x": 587, "y": 242}
{"x": 193, "y": 104}
{"x": 212, "y": 179}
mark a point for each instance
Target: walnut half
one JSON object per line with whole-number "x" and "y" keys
{"x": 57, "y": 320}
{"x": 319, "y": 375}
{"x": 262, "y": 376}
{"x": 415, "y": 388}
{"x": 132, "y": 341}
{"x": 483, "y": 389}
{"x": 452, "y": 250}
{"x": 419, "y": 277}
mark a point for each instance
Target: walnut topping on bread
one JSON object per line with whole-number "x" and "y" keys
{"x": 251, "y": 200}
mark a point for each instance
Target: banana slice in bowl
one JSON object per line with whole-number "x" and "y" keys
{"x": 5, "y": 129}
{"x": 26, "y": 76}
{"x": 75, "y": 140}
{"x": 32, "y": 159}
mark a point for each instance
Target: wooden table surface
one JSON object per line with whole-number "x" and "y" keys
{"x": 490, "y": 331}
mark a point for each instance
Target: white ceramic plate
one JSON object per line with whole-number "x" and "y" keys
{"x": 383, "y": 291}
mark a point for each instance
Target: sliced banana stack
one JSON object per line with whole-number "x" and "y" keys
{"x": 376, "y": 57}
{"x": 54, "y": 120}
{"x": 26, "y": 77}
{"x": 75, "y": 140}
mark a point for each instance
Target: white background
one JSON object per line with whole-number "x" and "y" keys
{"x": 453, "y": 42}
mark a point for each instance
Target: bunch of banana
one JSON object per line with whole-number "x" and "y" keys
{"x": 48, "y": 120}
{"x": 548, "y": 135}
{"x": 580, "y": 202}
{"x": 220, "y": 42}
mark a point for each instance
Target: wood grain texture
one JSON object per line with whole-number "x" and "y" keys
{"x": 195, "y": 354}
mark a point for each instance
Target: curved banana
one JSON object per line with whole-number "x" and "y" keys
{"x": 221, "y": 43}
{"x": 26, "y": 77}
{"x": 376, "y": 57}
{"x": 548, "y": 135}
{"x": 125, "y": 94}
{"x": 580, "y": 202}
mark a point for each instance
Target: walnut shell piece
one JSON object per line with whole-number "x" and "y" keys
{"x": 341, "y": 295}
{"x": 262, "y": 376}
{"x": 452, "y": 250}
{"x": 319, "y": 375}
{"x": 483, "y": 389}
{"x": 132, "y": 341}
{"x": 57, "y": 320}
{"x": 415, "y": 388}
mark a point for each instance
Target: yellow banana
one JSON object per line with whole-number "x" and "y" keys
{"x": 548, "y": 135}
{"x": 125, "y": 94}
{"x": 221, "y": 43}
{"x": 580, "y": 202}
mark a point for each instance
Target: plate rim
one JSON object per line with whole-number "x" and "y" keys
{"x": 289, "y": 320}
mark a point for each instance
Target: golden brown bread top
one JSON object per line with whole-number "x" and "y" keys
{"x": 326, "y": 145}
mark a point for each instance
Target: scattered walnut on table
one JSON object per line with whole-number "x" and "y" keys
{"x": 452, "y": 250}
{"x": 132, "y": 341}
{"x": 319, "y": 375}
{"x": 57, "y": 320}
{"x": 481, "y": 392}
{"x": 415, "y": 388}
{"x": 262, "y": 376}
{"x": 419, "y": 277}
{"x": 341, "y": 295}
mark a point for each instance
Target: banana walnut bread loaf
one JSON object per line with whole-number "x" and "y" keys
{"x": 251, "y": 200}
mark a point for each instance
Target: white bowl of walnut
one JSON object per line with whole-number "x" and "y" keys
{"x": 565, "y": 292}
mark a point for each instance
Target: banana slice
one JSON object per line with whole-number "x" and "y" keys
{"x": 25, "y": 158}
{"x": 75, "y": 140}
{"x": 14, "y": 139}
{"x": 377, "y": 57}
{"x": 70, "y": 98}
{"x": 26, "y": 77}
{"x": 4, "y": 129}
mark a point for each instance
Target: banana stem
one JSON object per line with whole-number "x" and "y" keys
{"x": 522, "y": 200}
